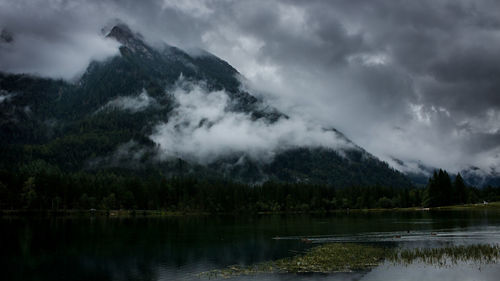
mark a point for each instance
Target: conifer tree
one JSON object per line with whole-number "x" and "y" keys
{"x": 460, "y": 190}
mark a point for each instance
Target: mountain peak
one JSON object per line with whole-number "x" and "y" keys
{"x": 133, "y": 41}
{"x": 123, "y": 34}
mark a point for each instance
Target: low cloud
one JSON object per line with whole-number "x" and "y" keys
{"x": 201, "y": 129}
{"x": 129, "y": 154}
{"x": 54, "y": 40}
{"x": 131, "y": 103}
{"x": 5, "y": 96}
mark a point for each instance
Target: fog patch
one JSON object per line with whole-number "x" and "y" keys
{"x": 130, "y": 154}
{"x": 68, "y": 60}
{"x": 201, "y": 129}
{"x": 410, "y": 166}
{"x": 53, "y": 40}
{"x": 132, "y": 104}
{"x": 5, "y": 96}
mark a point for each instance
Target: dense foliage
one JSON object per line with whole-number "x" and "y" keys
{"x": 441, "y": 191}
{"x": 39, "y": 185}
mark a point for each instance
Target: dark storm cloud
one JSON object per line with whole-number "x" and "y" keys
{"x": 414, "y": 80}
{"x": 424, "y": 66}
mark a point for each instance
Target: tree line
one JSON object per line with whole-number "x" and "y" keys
{"x": 41, "y": 186}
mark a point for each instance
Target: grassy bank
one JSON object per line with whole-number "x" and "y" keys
{"x": 478, "y": 206}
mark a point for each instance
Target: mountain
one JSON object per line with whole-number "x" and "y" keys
{"x": 105, "y": 120}
{"x": 419, "y": 174}
{"x": 475, "y": 176}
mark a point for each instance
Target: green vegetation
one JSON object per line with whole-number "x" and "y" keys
{"x": 42, "y": 186}
{"x": 327, "y": 258}
{"x": 346, "y": 257}
{"x": 477, "y": 206}
{"x": 442, "y": 256}
{"x": 442, "y": 192}
{"x": 334, "y": 258}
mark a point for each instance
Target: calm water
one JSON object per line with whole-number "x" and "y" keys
{"x": 178, "y": 248}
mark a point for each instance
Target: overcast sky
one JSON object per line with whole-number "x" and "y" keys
{"x": 413, "y": 80}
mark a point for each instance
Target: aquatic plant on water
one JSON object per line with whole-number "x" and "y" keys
{"x": 346, "y": 257}
{"x": 482, "y": 253}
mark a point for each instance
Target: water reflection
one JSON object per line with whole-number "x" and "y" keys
{"x": 178, "y": 248}
{"x": 418, "y": 272}
{"x": 456, "y": 236}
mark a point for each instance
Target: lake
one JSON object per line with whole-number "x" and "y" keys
{"x": 178, "y": 248}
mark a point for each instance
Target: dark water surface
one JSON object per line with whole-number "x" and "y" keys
{"x": 177, "y": 248}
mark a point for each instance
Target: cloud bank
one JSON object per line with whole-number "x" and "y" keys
{"x": 201, "y": 129}
{"x": 131, "y": 103}
{"x": 55, "y": 39}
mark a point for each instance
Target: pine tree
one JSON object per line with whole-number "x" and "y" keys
{"x": 439, "y": 190}
{"x": 460, "y": 190}
{"x": 445, "y": 188}
{"x": 431, "y": 194}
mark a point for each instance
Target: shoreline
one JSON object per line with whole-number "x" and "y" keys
{"x": 163, "y": 213}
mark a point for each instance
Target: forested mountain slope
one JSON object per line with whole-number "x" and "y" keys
{"x": 112, "y": 119}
